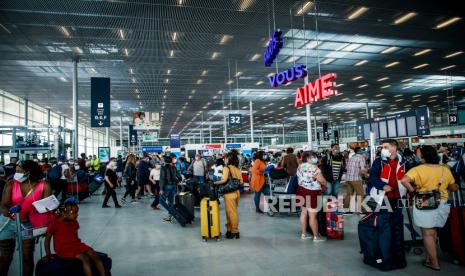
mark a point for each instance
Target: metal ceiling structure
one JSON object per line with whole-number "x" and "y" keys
{"x": 190, "y": 59}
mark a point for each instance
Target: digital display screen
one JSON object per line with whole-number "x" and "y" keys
{"x": 412, "y": 126}
{"x": 375, "y": 129}
{"x": 366, "y": 131}
{"x": 392, "y": 132}
{"x": 382, "y": 129}
{"x": 401, "y": 128}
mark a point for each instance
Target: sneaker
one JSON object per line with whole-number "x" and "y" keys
{"x": 155, "y": 207}
{"x": 106, "y": 206}
{"x": 306, "y": 236}
{"x": 134, "y": 201}
{"x": 169, "y": 218}
{"x": 319, "y": 239}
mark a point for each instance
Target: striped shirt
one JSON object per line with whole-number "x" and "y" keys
{"x": 354, "y": 168}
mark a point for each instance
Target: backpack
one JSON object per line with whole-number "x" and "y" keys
{"x": 55, "y": 173}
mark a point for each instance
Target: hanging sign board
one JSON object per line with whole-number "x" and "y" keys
{"x": 133, "y": 141}
{"x": 100, "y": 102}
{"x": 453, "y": 119}
{"x": 297, "y": 72}
{"x": 235, "y": 119}
{"x": 175, "y": 141}
{"x": 274, "y": 45}
{"x": 320, "y": 89}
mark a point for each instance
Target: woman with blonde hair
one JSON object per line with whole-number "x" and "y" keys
{"x": 111, "y": 181}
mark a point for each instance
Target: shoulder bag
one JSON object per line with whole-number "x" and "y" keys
{"x": 232, "y": 185}
{"x": 429, "y": 200}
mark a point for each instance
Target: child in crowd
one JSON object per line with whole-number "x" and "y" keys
{"x": 67, "y": 243}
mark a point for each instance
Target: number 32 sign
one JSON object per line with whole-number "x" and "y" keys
{"x": 235, "y": 119}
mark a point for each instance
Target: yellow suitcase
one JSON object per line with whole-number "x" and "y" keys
{"x": 210, "y": 219}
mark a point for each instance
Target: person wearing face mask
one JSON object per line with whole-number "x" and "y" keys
{"x": 155, "y": 179}
{"x": 26, "y": 187}
{"x": 310, "y": 182}
{"x": 143, "y": 173}
{"x": 258, "y": 182}
{"x": 199, "y": 169}
{"x": 130, "y": 176}
{"x": 333, "y": 166}
{"x": 169, "y": 177}
{"x": 111, "y": 181}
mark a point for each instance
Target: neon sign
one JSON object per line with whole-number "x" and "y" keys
{"x": 290, "y": 75}
{"x": 318, "y": 90}
{"x": 272, "y": 51}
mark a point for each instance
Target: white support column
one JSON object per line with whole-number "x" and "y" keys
{"x": 309, "y": 121}
{"x": 75, "y": 144}
{"x": 93, "y": 140}
{"x": 26, "y": 112}
{"x": 48, "y": 127}
{"x": 210, "y": 128}
{"x": 225, "y": 129}
{"x": 251, "y": 121}
{"x": 107, "y": 137}
{"x": 367, "y": 111}
{"x": 121, "y": 132}
{"x": 85, "y": 140}
{"x": 283, "y": 134}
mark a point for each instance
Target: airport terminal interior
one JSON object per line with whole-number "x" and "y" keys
{"x": 201, "y": 137}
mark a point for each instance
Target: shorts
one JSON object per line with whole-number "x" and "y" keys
{"x": 311, "y": 198}
{"x": 8, "y": 227}
{"x": 432, "y": 218}
{"x": 142, "y": 181}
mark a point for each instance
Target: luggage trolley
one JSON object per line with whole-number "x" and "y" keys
{"x": 277, "y": 180}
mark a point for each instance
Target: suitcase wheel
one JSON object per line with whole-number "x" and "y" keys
{"x": 417, "y": 251}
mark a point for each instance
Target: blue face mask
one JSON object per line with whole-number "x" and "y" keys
{"x": 417, "y": 159}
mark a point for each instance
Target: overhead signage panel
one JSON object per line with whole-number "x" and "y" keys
{"x": 320, "y": 89}
{"x": 297, "y": 72}
{"x": 100, "y": 102}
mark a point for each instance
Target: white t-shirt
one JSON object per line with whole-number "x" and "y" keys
{"x": 64, "y": 167}
{"x": 218, "y": 171}
{"x": 155, "y": 174}
{"x": 199, "y": 167}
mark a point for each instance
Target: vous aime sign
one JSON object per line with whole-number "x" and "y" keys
{"x": 317, "y": 90}
{"x": 297, "y": 72}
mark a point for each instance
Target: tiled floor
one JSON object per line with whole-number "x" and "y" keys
{"x": 140, "y": 243}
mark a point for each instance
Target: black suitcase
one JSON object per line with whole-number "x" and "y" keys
{"x": 179, "y": 212}
{"x": 70, "y": 267}
{"x": 187, "y": 200}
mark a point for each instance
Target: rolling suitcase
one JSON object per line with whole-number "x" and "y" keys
{"x": 451, "y": 237}
{"x": 210, "y": 219}
{"x": 70, "y": 267}
{"x": 179, "y": 212}
{"x": 187, "y": 200}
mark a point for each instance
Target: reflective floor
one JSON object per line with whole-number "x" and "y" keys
{"x": 140, "y": 243}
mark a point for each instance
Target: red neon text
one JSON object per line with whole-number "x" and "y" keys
{"x": 317, "y": 90}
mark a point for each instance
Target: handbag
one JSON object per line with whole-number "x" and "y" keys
{"x": 232, "y": 185}
{"x": 429, "y": 200}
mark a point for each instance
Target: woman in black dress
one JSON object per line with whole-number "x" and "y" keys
{"x": 111, "y": 181}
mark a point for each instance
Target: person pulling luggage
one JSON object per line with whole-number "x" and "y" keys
{"x": 169, "y": 177}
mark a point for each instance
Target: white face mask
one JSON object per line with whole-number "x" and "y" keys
{"x": 20, "y": 177}
{"x": 385, "y": 153}
{"x": 197, "y": 158}
{"x": 76, "y": 168}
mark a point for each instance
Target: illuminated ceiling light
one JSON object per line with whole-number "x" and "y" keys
{"x": 168, "y": 72}
{"x": 193, "y": 91}
{"x": 245, "y": 4}
{"x": 307, "y": 6}
{"x": 220, "y": 92}
{"x": 93, "y": 70}
{"x": 4, "y": 28}
{"x": 404, "y": 18}
{"x": 447, "y": 22}
{"x": 361, "y": 62}
{"x": 204, "y": 72}
{"x": 259, "y": 83}
{"x": 454, "y": 54}
{"x": 357, "y": 78}
{"x": 389, "y": 50}
{"x": 199, "y": 81}
{"x": 340, "y": 84}
{"x": 138, "y": 96}
{"x": 255, "y": 57}
{"x": 391, "y": 64}
{"x": 134, "y": 80}
{"x": 421, "y": 66}
{"x": 63, "y": 79}
{"x": 357, "y": 13}
{"x": 131, "y": 71}
{"x": 215, "y": 55}
{"x": 447, "y": 67}
{"x": 360, "y": 94}
{"x": 238, "y": 74}
{"x": 292, "y": 59}
{"x": 126, "y": 52}
{"x": 351, "y": 47}
{"x": 422, "y": 52}
{"x": 171, "y": 53}
{"x": 225, "y": 39}
{"x": 121, "y": 33}
{"x": 363, "y": 85}
{"x": 386, "y": 86}
{"x": 328, "y": 61}
{"x": 65, "y": 31}
{"x": 383, "y": 79}
{"x": 406, "y": 87}
{"x": 175, "y": 35}
{"x": 78, "y": 50}
{"x": 270, "y": 74}
{"x": 406, "y": 80}
{"x": 230, "y": 82}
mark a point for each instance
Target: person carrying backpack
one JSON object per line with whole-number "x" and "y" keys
{"x": 58, "y": 177}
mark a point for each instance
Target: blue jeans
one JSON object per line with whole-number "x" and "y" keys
{"x": 200, "y": 179}
{"x": 333, "y": 188}
{"x": 168, "y": 193}
{"x": 265, "y": 191}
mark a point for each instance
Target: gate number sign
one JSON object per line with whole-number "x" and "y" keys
{"x": 235, "y": 119}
